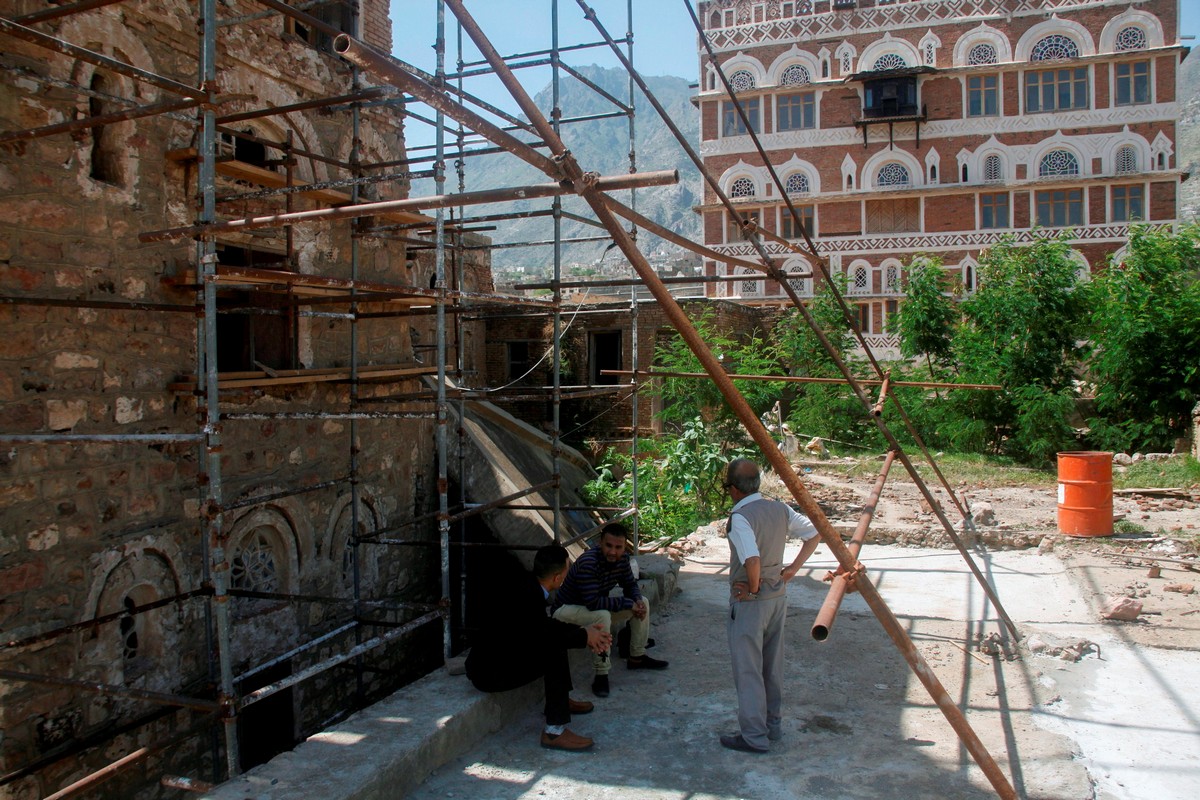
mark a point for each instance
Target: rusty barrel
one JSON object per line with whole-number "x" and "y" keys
{"x": 1085, "y": 493}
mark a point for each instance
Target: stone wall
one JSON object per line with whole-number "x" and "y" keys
{"x": 100, "y": 338}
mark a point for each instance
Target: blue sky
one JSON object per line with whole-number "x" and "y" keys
{"x": 664, "y": 38}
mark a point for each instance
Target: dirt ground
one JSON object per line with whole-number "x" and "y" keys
{"x": 1121, "y": 722}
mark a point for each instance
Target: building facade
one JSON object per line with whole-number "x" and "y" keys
{"x": 108, "y": 546}
{"x": 925, "y": 128}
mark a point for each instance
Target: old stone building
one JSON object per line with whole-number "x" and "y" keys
{"x": 920, "y": 128}
{"x": 166, "y": 545}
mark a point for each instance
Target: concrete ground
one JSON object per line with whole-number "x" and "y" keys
{"x": 858, "y": 725}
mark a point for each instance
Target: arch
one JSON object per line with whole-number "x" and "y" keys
{"x": 1058, "y": 163}
{"x": 1083, "y": 270}
{"x": 740, "y": 62}
{"x": 1073, "y": 31}
{"x": 891, "y": 276}
{"x": 1111, "y": 40}
{"x": 1127, "y": 154}
{"x": 984, "y": 34}
{"x": 875, "y": 166}
{"x": 742, "y": 187}
{"x": 742, "y": 81}
{"x": 1036, "y": 153}
{"x": 265, "y": 551}
{"x": 845, "y": 54}
{"x": 993, "y": 168}
{"x": 1161, "y": 151}
{"x": 798, "y": 166}
{"x": 785, "y": 69}
{"x": 1054, "y": 47}
{"x": 797, "y": 183}
{"x": 969, "y": 274}
{"x": 892, "y": 51}
{"x": 849, "y": 168}
{"x": 932, "y": 165}
{"x": 928, "y": 46}
{"x": 339, "y": 547}
{"x": 858, "y": 277}
{"x": 801, "y": 286}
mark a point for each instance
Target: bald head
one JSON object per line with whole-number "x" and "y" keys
{"x": 743, "y": 475}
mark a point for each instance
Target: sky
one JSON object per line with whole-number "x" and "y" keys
{"x": 664, "y": 38}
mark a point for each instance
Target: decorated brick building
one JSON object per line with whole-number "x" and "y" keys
{"x": 923, "y": 128}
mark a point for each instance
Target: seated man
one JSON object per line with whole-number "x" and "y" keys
{"x": 583, "y": 599}
{"x": 522, "y": 642}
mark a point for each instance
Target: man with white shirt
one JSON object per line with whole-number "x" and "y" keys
{"x": 758, "y": 530}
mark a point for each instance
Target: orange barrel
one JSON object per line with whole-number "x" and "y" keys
{"x": 1085, "y": 494}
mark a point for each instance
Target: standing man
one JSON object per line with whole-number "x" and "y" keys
{"x": 584, "y": 600}
{"x": 758, "y": 530}
{"x": 522, "y": 642}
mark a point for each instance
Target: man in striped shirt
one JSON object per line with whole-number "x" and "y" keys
{"x": 584, "y": 599}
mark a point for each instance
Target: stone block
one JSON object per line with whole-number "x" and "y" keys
{"x": 63, "y": 415}
{"x": 1125, "y": 609}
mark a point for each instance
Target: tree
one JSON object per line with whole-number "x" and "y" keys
{"x": 1145, "y": 331}
{"x": 1019, "y": 330}
{"x": 928, "y": 314}
{"x": 685, "y": 399}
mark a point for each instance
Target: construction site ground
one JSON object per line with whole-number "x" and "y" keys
{"x": 1121, "y": 722}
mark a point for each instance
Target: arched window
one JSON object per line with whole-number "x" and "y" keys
{"x": 964, "y": 173}
{"x": 860, "y": 280}
{"x": 1058, "y": 163}
{"x": 796, "y": 75}
{"x": 106, "y": 143}
{"x": 893, "y": 175}
{"x": 742, "y": 187}
{"x": 1054, "y": 47}
{"x": 824, "y": 68}
{"x": 847, "y": 63}
{"x": 797, "y": 183}
{"x": 850, "y": 181}
{"x": 993, "y": 169}
{"x": 970, "y": 282}
{"x": 742, "y": 81}
{"x": 891, "y": 279}
{"x": 1131, "y": 38}
{"x": 889, "y": 61}
{"x": 982, "y": 53}
{"x": 254, "y": 566}
{"x": 930, "y": 53}
{"x": 1162, "y": 160}
{"x": 1127, "y": 160}
{"x": 933, "y": 173}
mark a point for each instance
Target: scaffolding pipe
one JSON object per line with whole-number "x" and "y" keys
{"x": 476, "y": 509}
{"x": 63, "y": 11}
{"x": 805, "y": 379}
{"x": 673, "y": 281}
{"x": 137, "y": 112}
{"x": 839, "y": 583}
{"x": 95, "y": 622}
{"x": 18, "y": 31}
{"x": 354, "y": 652}
{"x": 742, "y": 410}
{"x": 105, "y": 773}
{"x": 110, "y": 690}
{"x": 661, "y": 178}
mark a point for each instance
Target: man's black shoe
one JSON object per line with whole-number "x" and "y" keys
{"x": 600, "y": 686}
{"x": 646, "y": 662}
{"x": 623, "y": 642}
{"x": 734, "y": 741}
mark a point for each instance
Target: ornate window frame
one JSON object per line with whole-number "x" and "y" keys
{"x": 984, "y": 34}
{"x": 1054, "y": 26}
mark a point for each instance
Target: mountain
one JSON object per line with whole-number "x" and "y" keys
{"x": 601, "y": 146}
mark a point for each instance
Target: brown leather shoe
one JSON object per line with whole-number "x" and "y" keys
{"x": 579, "y": 706}
{"x": 566, "y": 741}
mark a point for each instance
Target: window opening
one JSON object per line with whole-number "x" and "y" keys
{"x": 893, "y": 175}
{"x": 1133, "y": 83}
{"x": 983, "y": 96}
{"x": 732, "y": 123}
{"x": 787, "y": 225}
{"x": 796, "y": 75}
{"x": 797, "y": 183}
{"x": 982, "y": 53}
{"x": 742, "y": 81}
{"x": 894, "y": 215}
{"x": 1056, "y": 90}
{"x": 796, "y": 111}
{"x": 889, "y": 61}
{"x": 1058, "y": 163}
{"x": 1128, "y": 204}
{"x": 254, "y": 328}
{"x": 106, "y": 159}
{"x": 993, "y": 210}
{"x": 1054, "y": 47}
{"x": 891, "y": 97}
{"x": 742, "y": 187}
{"x": 1131, "y": 38}
{"x": 1060, "y": 208}
{"x": 1127, "y": 160}
{"x": 339, "y": 14}
{"x": 605, "y": 353}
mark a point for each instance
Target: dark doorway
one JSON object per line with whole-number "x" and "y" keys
{"x": 266, "y": 728}
{"x": 604, "y": 352}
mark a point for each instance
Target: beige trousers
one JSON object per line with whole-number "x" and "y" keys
{"x": 639, "y": 629}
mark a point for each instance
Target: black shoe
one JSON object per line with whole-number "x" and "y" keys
{"x": 646, "y": 662}
{"x": 600, "y": 686}
{"x": 734, "y": 741}
{"x": 623, "y": 642}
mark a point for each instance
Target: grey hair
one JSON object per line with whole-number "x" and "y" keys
{"x": 743, "y": 475}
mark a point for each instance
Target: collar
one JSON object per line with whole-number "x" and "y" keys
{"x": 747, "y": 500}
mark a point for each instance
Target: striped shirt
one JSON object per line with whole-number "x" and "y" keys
{"x": 591, "y": 578}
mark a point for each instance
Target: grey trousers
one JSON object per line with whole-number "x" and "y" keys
{"x": 756, "y": 651}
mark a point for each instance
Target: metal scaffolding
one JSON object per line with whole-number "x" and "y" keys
{"x": 369, "y": 624}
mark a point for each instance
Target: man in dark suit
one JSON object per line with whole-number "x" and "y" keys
{"x": 521, "y": 642}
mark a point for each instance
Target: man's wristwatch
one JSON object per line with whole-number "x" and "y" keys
{"x": 751, "y": 595}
